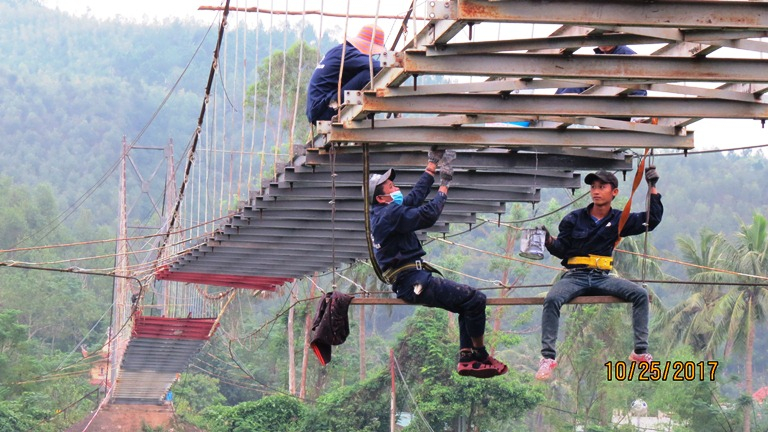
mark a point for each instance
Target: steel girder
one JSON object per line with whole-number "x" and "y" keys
{"x": 506, "y": 136}
{"x": 630, "y": 67}
{"x": 667, "y": 13}
{"x": 517, "y": 104}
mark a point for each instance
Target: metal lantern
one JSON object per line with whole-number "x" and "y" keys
{"x": 532, "y": 243}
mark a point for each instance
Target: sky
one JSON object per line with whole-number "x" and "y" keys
{"x": 709, "y": 133}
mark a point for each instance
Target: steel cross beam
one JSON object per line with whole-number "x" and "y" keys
{"x": 608, "y": 67}
{"x": 509, "y": 137}
{"x": 517, "y": 104}
{"x": 667, "y": 13}
{"x": 716, "y": 37}
{"x": 497, "y": 160}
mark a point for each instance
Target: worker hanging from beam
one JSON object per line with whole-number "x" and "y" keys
{"x": 585, "y": 243}
{"x": 394, "y": 221}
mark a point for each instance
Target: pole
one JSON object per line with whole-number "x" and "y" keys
{"x": 392, "y": 392}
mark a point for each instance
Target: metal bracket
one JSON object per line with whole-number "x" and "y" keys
{"x": 442, "y": 10}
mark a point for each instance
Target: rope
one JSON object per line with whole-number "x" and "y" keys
{"x": 343, "y": 58}
{"x": 647, "y": 222}
{"x": 367, "y": 215}
{"x": 410, "y": 395}
{"x": 628, "y": 205}
{"x": 333, "y": 212}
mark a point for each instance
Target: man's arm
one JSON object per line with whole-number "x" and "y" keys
{"x": 558, "y": 245}
{"x": 636, "y": 222}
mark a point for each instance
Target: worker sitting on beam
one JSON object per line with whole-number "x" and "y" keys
{"x": 394, "y": 221}
{"x": 585, "y": 244}
{"x": 322, "y": 93}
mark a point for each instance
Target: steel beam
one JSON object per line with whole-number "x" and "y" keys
{"x": 597, "y": 106}
{"x": 511, "y": 137}
{"x": 355, "y": 192}
{"x": 667, "y": 13}
{"x": 473, "y": 179}
{"x": 451, "y": 206}
{"x": 636, "y": 67}
{"x": 492, "y": 159}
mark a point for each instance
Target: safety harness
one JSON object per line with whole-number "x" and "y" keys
{"x": 390, "y": 276}
{"x": 600, "y": 262}
{"x": 593, "y": 261}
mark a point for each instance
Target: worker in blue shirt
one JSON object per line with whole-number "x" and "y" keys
{"x": 394, "y": 221}
{"x": 605, "y": 49}
{"x": 323, "y": 86}
{"x": 585, "y": 243}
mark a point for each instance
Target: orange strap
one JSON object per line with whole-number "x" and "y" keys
{"x": 628, "y": 206}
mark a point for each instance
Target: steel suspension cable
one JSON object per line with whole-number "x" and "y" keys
{"x": 190, "y": 160}
{"x": 279, "y": 126}
{"x": 267, "y": 102}
{"x": 255, "y": 99}
{"x": 298, "y": 85}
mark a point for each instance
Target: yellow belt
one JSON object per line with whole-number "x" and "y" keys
{"x": 593, "y": 261}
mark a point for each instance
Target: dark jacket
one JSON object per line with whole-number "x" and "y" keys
{"x": 331, "y": 326}
{"x": 580, "y": 235}
{"x": 324, "y": 83}
{"x": 620, "y": 49}
{"x": 393, "y": 227}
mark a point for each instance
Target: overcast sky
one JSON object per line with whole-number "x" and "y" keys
{"x": 708, "y": 133}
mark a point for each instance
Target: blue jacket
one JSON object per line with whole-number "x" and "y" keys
{"x": 393, "y": 227}
{"x": 580, "y": 235}
{"x": 325, "y": 79}
{"x": 620, "y": 49}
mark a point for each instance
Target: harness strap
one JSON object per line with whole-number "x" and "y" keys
{"x": 367, "y": 216}
{"x": 628, "y": 206}
{"x": 593, "y": 261}
{"x": 390, "y": 276}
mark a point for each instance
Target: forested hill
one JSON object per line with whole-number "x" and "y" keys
{"x": 72, "y": 87}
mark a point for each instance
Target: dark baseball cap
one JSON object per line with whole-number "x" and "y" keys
{"x": 604, "y": 176}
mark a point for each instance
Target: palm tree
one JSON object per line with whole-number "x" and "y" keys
{"x": 691, "y": 321}
{"x": 744, "y": 306}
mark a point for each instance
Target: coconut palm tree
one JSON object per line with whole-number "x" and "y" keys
{"x": 691, "y": 321}
{"x": 744, "y": 306}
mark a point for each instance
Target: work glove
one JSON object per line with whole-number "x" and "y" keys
{"x": 446, "y": 175}
{"x": 448, "y": 157}
{"x": 548, "y": 239}
{"x": 435, "y": 155}
{"x": 651, "y": 176}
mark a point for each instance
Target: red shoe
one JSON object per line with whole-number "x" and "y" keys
{"x": 546, "y": 367}
{"x": 487, "y": 368}
{"x": 640, "y": 358}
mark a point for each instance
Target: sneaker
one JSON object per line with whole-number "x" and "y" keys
{"x": 640, "y": 358}
{"x": 479, "y": 364}
{"x": 546, "y": 367}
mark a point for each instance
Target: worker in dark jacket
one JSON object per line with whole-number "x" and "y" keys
{"x": 324, "y": 84}
{"x": 394, "y": 221}
{"x": 585, "y": 243}
{"x": 605, "y": 49}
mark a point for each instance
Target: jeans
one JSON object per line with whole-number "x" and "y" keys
{"x": 580, "y": 282}
{"x": 446, "y": 294}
